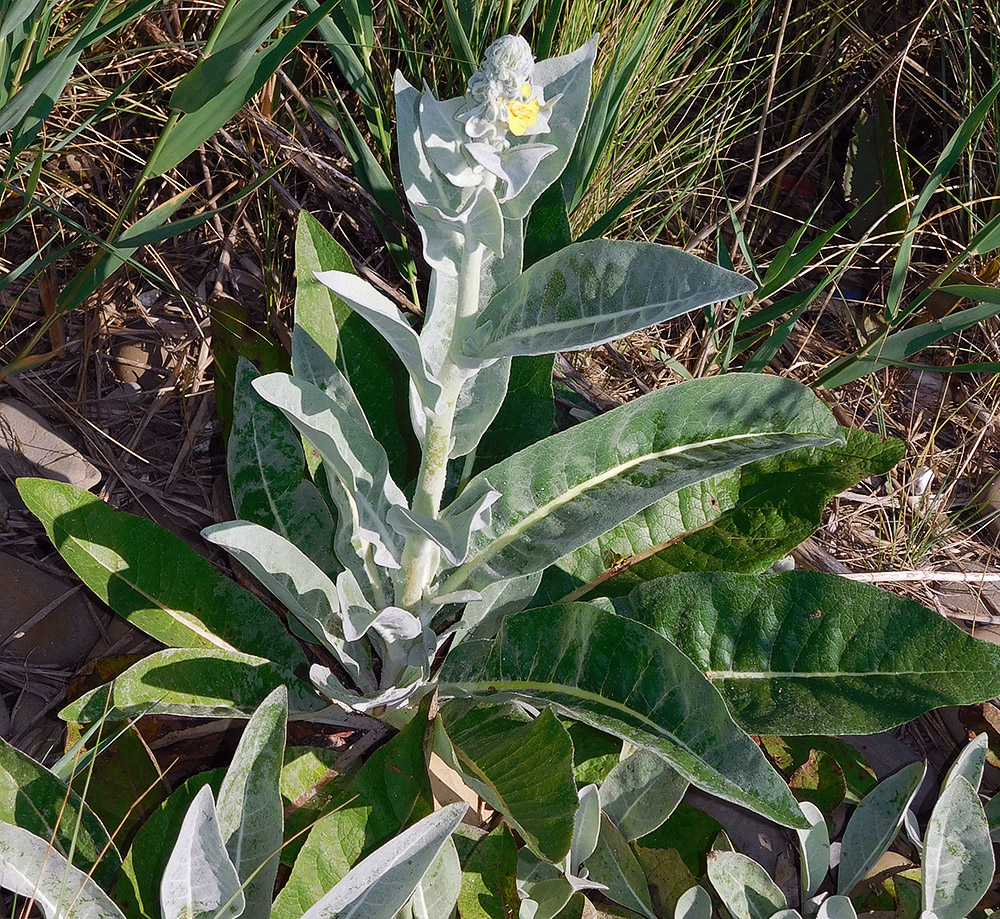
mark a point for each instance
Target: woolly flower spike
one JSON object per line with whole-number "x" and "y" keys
{"x": 501, "y": 95}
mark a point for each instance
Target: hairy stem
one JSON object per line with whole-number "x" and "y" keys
{"x": 421, "y": 556}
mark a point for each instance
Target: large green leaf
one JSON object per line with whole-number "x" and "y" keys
{"x": 390, "y": 791}
{"x": 192, "y": 682}
{"x": 593, "y": 292}
{"x": 521, "y": 767}
{"x": 489, "y": 883}
{"x": 805, "y": 653}
{"x": 565, "y": 491}
{"x": 266, "y": 466}
{"x": 249, "y": 803}
{"x": 33, "y": 798}
{"x": 741, "y": 521}
{"x": 621, "y": 677}
{"x": 155, "y": 580}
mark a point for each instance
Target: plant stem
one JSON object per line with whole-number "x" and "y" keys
{"x": 421, "y": 556}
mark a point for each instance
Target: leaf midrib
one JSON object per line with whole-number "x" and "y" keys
{"x": 461, "y": 574}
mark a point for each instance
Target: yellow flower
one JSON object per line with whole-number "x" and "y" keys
{"x": 522, "y": 116}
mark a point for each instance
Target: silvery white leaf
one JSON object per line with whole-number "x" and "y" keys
{"x": 614, "y": 865}
{"x": 200, "y": 880}
{"x": 444, "y": 138}
{"x": 814, "y": 844}
{"x": 875, "y": 823}
{"x": 298, "y": 583}
{"x": 569, "y": 78}
{"x": 837, "y": 908}
{"x": 479, "y": 401}
{"x": 640, "y": 793}
{"x": 328, "y": 684}
{"x": 744, "y": 886}
{"x": 437, "y": 893}
{"x": 499, "y": 599}
{"x": 543, "y": 888}
{"x": 312, "y": 364}
{"x": 586, "y": 829}
{"x": 423, "y": 183}
{"x": 357, "y": 614}
{"x": 459, "y": 596}
{"x": 595, "y": 291}
{"x": 694, "y": 903}
{"x": 958, "y": 861}
{"x": 385, "y": 318}
{"x": 970, "y": 763}
{"x": 380, "y": 884}
{"x": 31, "y": 868}
{"x": 514, "y": 167}
{"x": 452, "y": 531}
{"x": 351, "y": 455}
{"x": 251, "y": 817}
{"x": 479, "y": 222}
{"x": 397, "y": 624}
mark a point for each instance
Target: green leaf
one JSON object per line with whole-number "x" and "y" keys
{"x": 379, "y": 885}
{"x": 137, "y": 890}
{"x": 489, "y": 877}
{"x": 132, "y": 565}
{"x": 32, "y": 869}
{"x": 595, "y": 753}
{"x": 744, "y": 886}
{"x": 594, "y": 292}
{"x": 613, "y": 865}
{"x": 35, "y": 800}
{"x": 548, "y": 228}
{"x": 266, "y": 465}
{"x": 521, "y": 767}
{"x": 236, "y": 40}
{"x": 391, "y": 791}
{"x": 199, "y": 880}
{"x": 804, "y": 652}
{"x": 640, "y": 793}
{"x": 622, "y": 678}
{"x": 957, "y": 858}
{"x": 194, "y": 128}
{"x": 526, "y": 415}
{"x": 689, "y": 832}
{"x": 125, "y": 783}
{"x": 565, "y": 491}
{"x": 318, "y": 310}
{"x": 311, "y": 786}
{"x": 192, "y": 682}
{"x": 743, "y": 521}
{"x": 875, "y": 824}
{"x": 249, "y": 803}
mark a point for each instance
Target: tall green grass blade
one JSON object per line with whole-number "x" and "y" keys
{"x": 194, "y": 128}
{"x": 461, "y": 48}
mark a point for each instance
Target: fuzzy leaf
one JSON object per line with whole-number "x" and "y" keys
{"x": 563, "y": 492}
{"x": 804, "y": 652}
{"x": 132, "y": 565}
{"x": 622, "y": 678}
{"x": 593, "y": 292}
{"x": 196, "y": 683}
{"x": 200, "y": 881}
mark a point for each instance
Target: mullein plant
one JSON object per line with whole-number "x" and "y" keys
{"x": 487, "y": 612}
